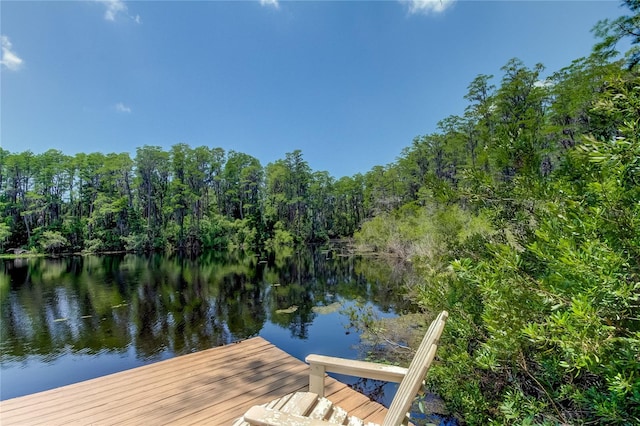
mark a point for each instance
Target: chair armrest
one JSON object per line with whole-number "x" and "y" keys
{"x": 320, "y": 364}
{"x": 364, "y": 369}
{"x": 261, "y": 416}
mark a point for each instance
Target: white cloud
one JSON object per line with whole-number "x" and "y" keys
{"x": 9, "y": 57}
{"x": 120, "y": 107}
{"x": 427, "y": 7}
{"x": 113, "y": 8}
{"x": 116, "y": 7}
{"x": 543, "y": 83}
{"x": 273, "y": 3}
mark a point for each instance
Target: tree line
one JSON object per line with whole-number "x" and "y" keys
{"x": 187, "y": 199}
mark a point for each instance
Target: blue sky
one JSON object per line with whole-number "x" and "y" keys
{"x": 350, "y": 83}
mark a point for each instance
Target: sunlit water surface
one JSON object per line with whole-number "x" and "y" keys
{"x": 70, "y": 319}
{"x": 75, "y": 318}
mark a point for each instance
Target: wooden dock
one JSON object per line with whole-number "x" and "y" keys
{"x": 214, "y": 387}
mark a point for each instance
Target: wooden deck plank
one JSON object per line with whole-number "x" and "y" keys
{"x": 90, "y": 395}
{"x": 148, "y": 375}
{"x": 162, "y": 401}
{"x": 215, "y": 386}
{"x": 197, "y": 398}
{"x": 202, "y": 390}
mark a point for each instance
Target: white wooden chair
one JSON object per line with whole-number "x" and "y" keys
{"x": 312, "y": 409}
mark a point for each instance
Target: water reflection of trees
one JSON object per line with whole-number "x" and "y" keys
{"x": 156, "y": 303}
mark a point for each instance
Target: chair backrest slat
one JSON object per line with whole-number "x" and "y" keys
{"x": 418, "y": 368}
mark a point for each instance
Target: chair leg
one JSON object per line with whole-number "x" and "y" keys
{"x": 316, "y": 379}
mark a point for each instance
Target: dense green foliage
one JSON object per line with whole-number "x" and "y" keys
{"x": 545, "y": 325}
{"x": 190, "y": 199}
{"x": 522, "y": 217}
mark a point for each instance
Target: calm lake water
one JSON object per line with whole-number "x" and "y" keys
{"x": 70, "y": 319}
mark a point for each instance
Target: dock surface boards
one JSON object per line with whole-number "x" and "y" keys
{"x": 212, "y": 387}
